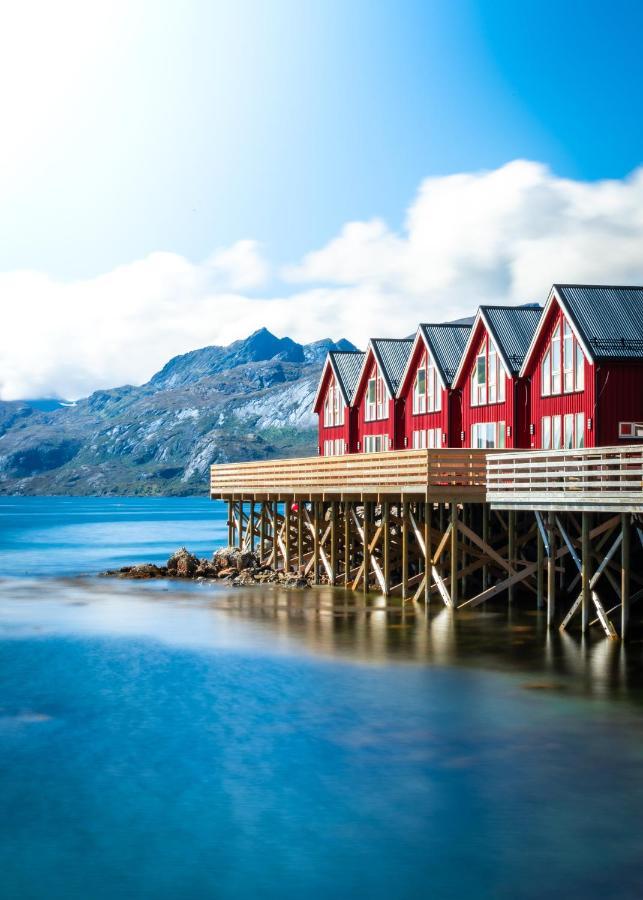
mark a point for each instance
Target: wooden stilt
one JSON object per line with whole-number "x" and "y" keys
{"x": 540, "y": 572}
{"x": 287, "y": 513}
{"x": 300, "y": 535}
{"x": 405, "y": 549}
{"x": 275, "y": 532}
{"x": 230, "y": 524}
{"x": 511, "y": 551}
{"x": 365, "y": 547}
{"x": 347, "y": 542}
{"x": 551, "y": 571}
{"x": 334, "y": 542}
{"x": 625, "y": 573}
{"x": 386, "y": 545}
{"x": 316, "y": 515}
{"x": 454, "y": 555}
{"x": 252, "y": 526}
{"x": 485, "y": 538}
{"x": 262, "y": 531}
{"x": 428, "y": 510}
{"x": 585, "y": 572}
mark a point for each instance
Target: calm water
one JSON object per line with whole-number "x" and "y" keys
{"x": 170, "y": 741}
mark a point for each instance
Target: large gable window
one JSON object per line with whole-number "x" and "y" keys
{"x": 562, "y": 369}
{"x": 489, "y": 380}
{"x": 427, "y": 388}
{"x": 333, "y": 406}
{"x": 376, "y": 398}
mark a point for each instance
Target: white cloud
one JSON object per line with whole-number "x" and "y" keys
{"x": 498, "y": 236}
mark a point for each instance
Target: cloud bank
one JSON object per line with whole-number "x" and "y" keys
{"x": 501, "y": 236}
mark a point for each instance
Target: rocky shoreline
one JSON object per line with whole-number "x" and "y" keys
{"x": 228, "y": 564}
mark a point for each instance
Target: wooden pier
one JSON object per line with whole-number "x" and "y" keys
{"x": 459, "y": 526}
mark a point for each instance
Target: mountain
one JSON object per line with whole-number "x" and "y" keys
{"x": 249, "y": 400}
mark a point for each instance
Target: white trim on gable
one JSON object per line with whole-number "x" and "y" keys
{"x": 554, "y": 297}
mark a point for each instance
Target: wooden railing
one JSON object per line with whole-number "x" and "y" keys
{"x": 443, "y": 474}
{"x": 609, "y": 478}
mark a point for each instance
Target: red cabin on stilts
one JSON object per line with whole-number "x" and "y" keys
{"x": 333, "y": 403}
{"x": 585, "y": 368}
{"x": 495, "y": 399}
{"x": 431, "y": 409}
{"x": 380, "y": 420}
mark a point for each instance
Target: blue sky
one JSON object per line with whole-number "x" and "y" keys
{"x": 168, "y": 159}
{"x": 198, "y": 124}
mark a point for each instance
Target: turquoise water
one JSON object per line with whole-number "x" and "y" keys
{"x": 168, "y": 741}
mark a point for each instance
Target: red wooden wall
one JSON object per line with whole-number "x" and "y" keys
{"x": 505, "y": 411}
{"x": 448, "y": 418}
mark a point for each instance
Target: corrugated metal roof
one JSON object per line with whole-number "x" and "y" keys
{"x": 392, "y": 355}
{"x": 447, "y": 342}
{"x": 609, "y": 319}
{"x": 512, "y": 328}
{"x": 347, "y": 365}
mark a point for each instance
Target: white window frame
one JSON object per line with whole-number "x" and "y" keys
{"x": 420, "y": 396}
{"x": 556, "y": 433}
{"x": 556, "y": 350}
{"x": 375, "y": 443}
{"x": 545, "y": 433}
{"x": 579, "y": 430}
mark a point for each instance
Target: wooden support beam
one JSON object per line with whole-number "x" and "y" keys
{"x": 386, "y": 546}
{"x": 625, "y": 573}
{"x": 511, "y": 552}
{"x": 262, "y": 531}
{"x": 347, "y": 541}
{"x": 454, "y": 554}
{"x": 485, "y": 539}
{"x": 428, "y": 513}
{"x": 586, "y": 571}
{"x": 334, "y": 542}
{"x": 300, "y": 534}
{"x": 286, "y": 533}
{"x": 316, "y": 506}
{"x": 365, "y": 531}
{"x": 540, "y": 572}
{"x": 551, "y": 570}
{"x": 405, "y": 549}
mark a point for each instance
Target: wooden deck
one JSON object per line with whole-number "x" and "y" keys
{"x": 439, "y": 475}
{"x": 606, "y": 479}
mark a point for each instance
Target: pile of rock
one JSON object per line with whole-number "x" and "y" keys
{"x": 230, "y": 564}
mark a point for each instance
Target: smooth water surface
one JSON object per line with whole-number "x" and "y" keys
{"x": 73, "y": 535}
{"x": 160, "y": 740}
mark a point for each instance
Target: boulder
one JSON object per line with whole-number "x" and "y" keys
{"x": 182, "y": 564}
{"x": 233, "y": 557}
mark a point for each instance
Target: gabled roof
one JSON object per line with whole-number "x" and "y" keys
{"x": 392, "y": 355}
{"x": 511, "y": 328}
{"x": 446, "y": 343}
{"x": 607, "y": 319}
{"x": 346, "y": 365}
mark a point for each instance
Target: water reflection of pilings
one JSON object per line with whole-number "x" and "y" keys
{"x": 375, "y": 629}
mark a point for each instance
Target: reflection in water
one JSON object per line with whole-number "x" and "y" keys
{"x": 335, "y": 623}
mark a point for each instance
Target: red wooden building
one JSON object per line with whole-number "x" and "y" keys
{"x": 495, "y": 399}
{"x": 333, "y": 402}
{"x": 585, "y": 368}
{"x": 430, "y": 408}
{"x": 379, "y": 414}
